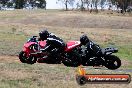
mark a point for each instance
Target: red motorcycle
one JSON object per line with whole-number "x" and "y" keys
{"x": 31, "y": 53}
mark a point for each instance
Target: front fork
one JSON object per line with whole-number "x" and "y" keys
{"x": 26, "y": 50}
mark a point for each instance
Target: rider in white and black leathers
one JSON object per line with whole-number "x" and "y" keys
{"x": 53, "y": 43}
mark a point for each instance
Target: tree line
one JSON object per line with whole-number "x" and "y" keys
{"x": 83, "y": 5}
{"x": 19, "y": 4}
{"x": 93, "y": 5}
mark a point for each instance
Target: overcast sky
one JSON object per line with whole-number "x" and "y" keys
{"x": 51, "y": 4}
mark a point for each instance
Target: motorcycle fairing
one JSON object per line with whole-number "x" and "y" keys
{"x": 29, "y": 43}
{"x": 72, "y": 44}
{"x": 26, "y": 47}
{"x": 42, "y": 43}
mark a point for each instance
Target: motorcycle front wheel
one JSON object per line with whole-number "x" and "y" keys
{"x": 24, "y": 59}
{"x": 112, "y": 62}
{"x": 31, "y": 59}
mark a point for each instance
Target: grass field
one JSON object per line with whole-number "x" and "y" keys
{"x": 17, "y": 26}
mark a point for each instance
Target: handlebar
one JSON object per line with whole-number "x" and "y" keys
{"x": 34, "y": 36}
{"x": 32, "y": 39}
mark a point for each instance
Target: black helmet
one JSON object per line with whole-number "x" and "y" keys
{"x": 44, "y": 34}
{"x": 84, "y": 39}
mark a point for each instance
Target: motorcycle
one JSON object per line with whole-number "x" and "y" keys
{"x": 105, "y": 58}
{"x": 73, "y": 55}
{"x": 31, "y": 53}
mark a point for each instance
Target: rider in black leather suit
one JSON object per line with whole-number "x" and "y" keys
{"x": 92, "y": 48}
{"x": 54, "y": 44}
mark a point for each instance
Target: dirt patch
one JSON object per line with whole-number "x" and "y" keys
{"x": 9, "y": 59}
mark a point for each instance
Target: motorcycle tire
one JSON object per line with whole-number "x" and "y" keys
{"x": 31, "y": 59}
{"x": 110, "y": 62}
{"x": 74, "y": 62}
{"x": 22, "y": 57}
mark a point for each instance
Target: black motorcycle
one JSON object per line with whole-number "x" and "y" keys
{"x": 93, "y": 55}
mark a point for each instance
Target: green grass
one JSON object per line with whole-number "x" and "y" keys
{"x": 11, "y": 44}
{"x": 124, "y": 51}
{"x": 34, "y": 76}
{"x": 12, "y": 37}
{"x": 5, "y": 83}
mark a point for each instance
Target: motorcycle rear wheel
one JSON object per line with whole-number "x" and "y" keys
{"x": 72, "y": 61}
{"x": 112, "y": 62}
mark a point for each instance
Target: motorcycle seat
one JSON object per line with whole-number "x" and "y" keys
{"x": 109, "y": 49}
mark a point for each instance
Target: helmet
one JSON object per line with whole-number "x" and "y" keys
{"x": 84, "y": 39}
{"x": 44, "y": 35}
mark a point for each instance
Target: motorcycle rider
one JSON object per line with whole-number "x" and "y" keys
{"x": 92, "y": 48}
{"x": 54, "y": 44}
